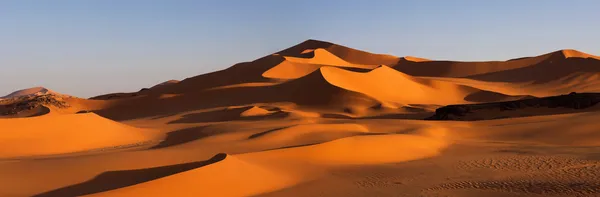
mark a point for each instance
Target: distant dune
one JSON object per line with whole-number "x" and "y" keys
{"x": 35, "y": 91}
{"x": 318, "y": 119}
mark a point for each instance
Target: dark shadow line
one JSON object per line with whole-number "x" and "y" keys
{"x": 118, "y": 179}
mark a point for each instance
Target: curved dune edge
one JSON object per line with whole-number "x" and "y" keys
{"x": 296, "y": 67}
{"x": 262, "y": 172}
{"x": 307, "y": 134}
{"x": 231, "y": 176}
{"x": 415, "y": 59}
{"x": 347, "y": 54}
{"x": 255, "y": 111}
{"x": 361, "y": 150}
{"x": 569, "y": 53}
{"x": 64, "y": 133}
{"x": 314, "y": 90}
{"x": 30, "y": 92}
{"x": 397, "y": 87}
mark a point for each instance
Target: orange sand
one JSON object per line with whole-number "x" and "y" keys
{"x": 316, "y": 119}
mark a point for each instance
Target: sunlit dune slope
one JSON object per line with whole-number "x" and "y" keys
{"x": 325, "y": 75}
{"x": 59, "y": 134}
{"x": 217, "y": 178}
{"x": 389, "y": 85}
{"x": 290, "y": 63}
{"x": 295, "y": 67}
{"x": 361, "y": 149}
{"x": 266, "y": 171}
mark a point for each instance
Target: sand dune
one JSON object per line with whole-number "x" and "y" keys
{"x": 348, "y": 54}
{"x": 308, "y": 134}
{"x": 414, "y": 59}
{"x": 296, "y": 67}
{"x": 318, "y": 119}
{"x": 59, "y": 134}
{"x": 393, "y": 86}
{"x": 365, "y": 149}
{"x": 465, "y": 69}
{"x": 553, "y": 69}
{"x": 255, "y": 111}
{"x": 570, "y": 53}
{"x": 35, "y": 91}
{"x": 166, "y": 83}
{"x": 213, "y": 179}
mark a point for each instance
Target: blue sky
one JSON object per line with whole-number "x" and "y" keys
{"x": 86, "y": 48}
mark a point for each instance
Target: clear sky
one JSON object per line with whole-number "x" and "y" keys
{"x": 92, "y": 47}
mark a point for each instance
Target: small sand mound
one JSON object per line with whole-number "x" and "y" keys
{"x": 255, "y": 111}
{"x": 350, "y": 55}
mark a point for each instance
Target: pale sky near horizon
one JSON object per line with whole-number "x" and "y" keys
{"x": 88, "y": 48}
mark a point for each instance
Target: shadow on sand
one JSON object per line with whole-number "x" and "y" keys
{"x": 119, "y": 179}
{"x": 227, "y": 115}
{"x": 183, "y": 136}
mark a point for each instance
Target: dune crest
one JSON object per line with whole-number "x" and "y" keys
{"x": 570, "y": 53}
{"x": 415, "y": 59}
{"x": 169, "y": 82}
{"x": 348, "y": 54}
{"x": 212, "y": 180}
{"x": 296, "y": 67}
{"x": 396, "y": 87}
{"x": 35, "y": 91}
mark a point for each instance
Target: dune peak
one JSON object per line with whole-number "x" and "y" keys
{"x": 415, "y": 59}
{"x": 572, "y": 53}
{"x": 169, "y": 82}
{"x": 35, "y": 91}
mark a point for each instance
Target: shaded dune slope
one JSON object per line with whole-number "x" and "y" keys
{"x": 213, "y": 178}
{"x": 348, "y": 54}
{"x": 466, "y": 69}
{"x": 545, "y": 71}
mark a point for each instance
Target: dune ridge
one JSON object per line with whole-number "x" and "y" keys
{"x": 35, "y": 91}
{"x": 215, "y": 178}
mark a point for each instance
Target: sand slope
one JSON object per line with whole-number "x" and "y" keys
{"x": 29, "y": 92}
{"x": 60, "y": 134}
{"x": 213, "y": 179}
